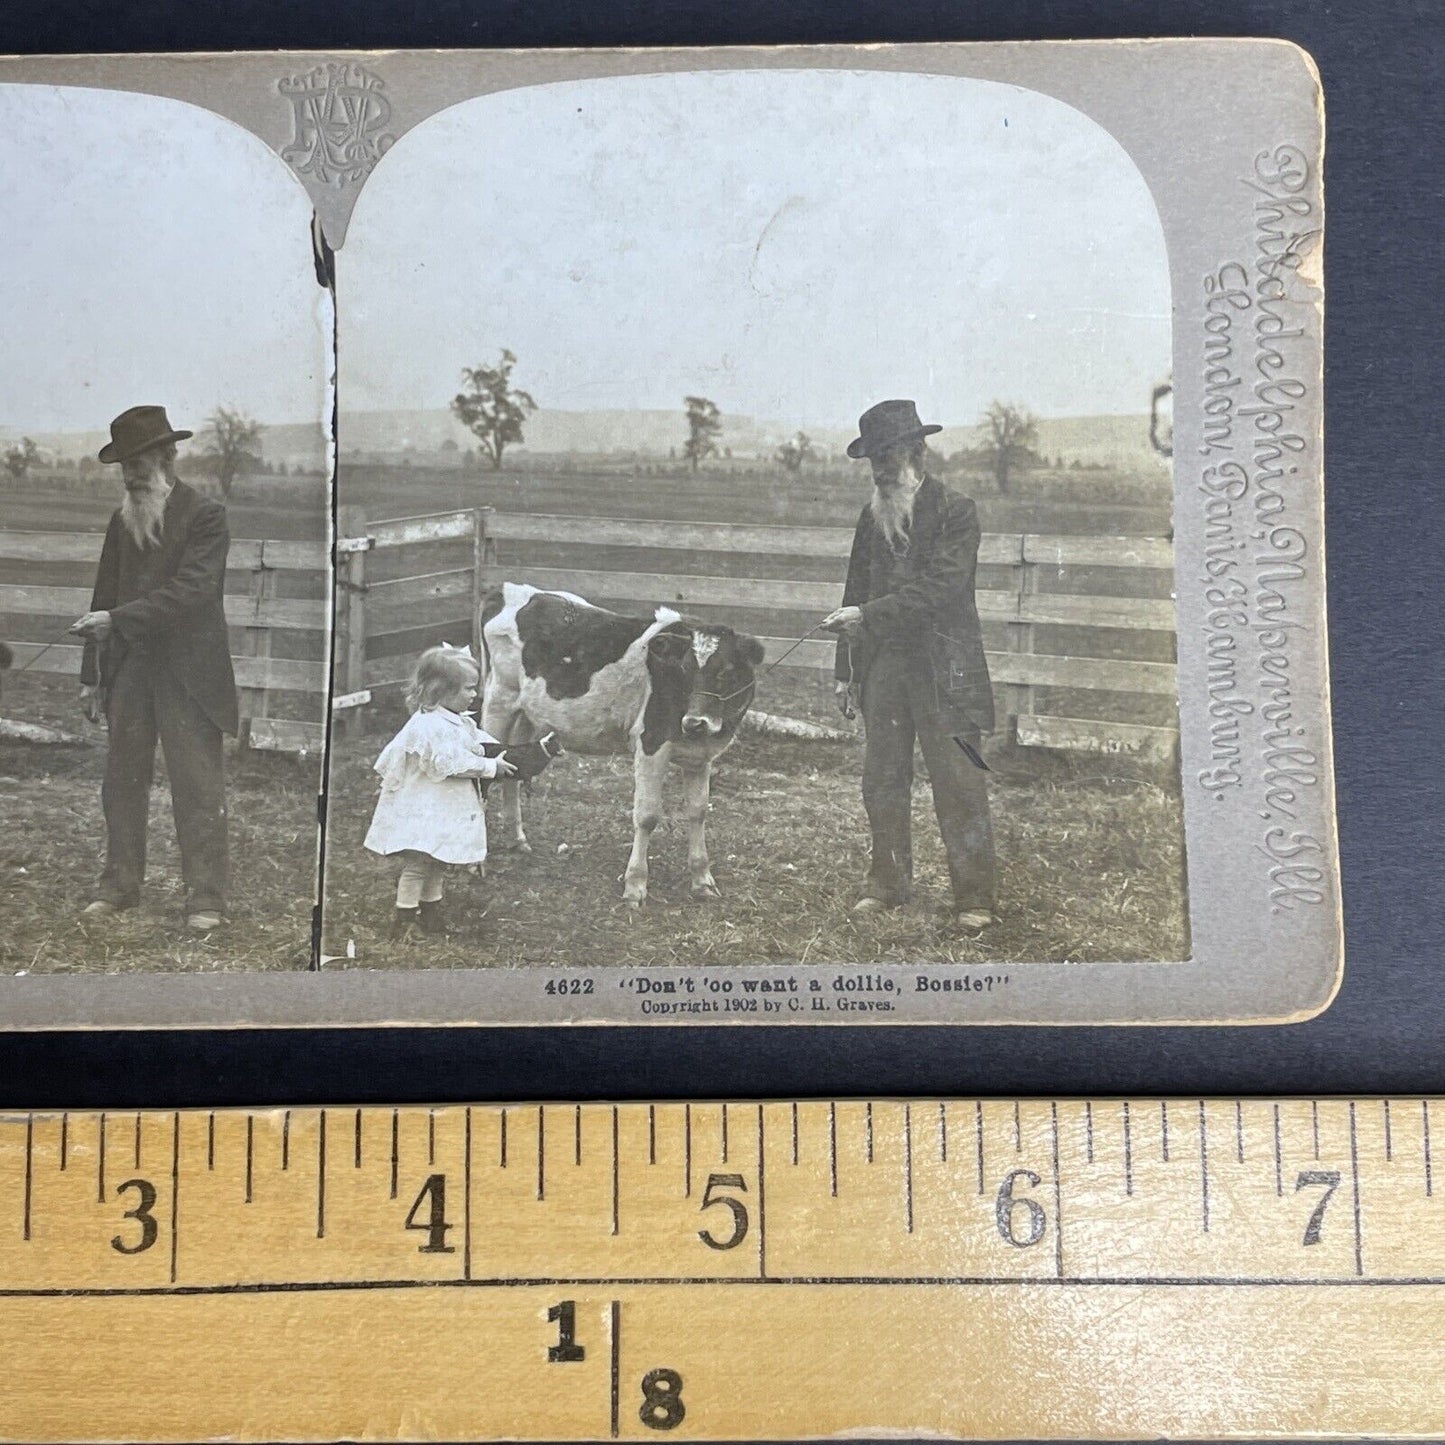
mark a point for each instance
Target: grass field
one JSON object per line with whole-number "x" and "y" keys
{"x": 1091, "y": 866}
{"x": 52, "y": 848}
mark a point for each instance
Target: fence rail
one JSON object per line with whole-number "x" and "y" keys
{"x": 384, "y": 622}
{"x": 253, "y": 611}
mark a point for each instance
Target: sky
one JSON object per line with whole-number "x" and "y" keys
{"x": 793, "y": 245}
{"x": 150, "y": 252}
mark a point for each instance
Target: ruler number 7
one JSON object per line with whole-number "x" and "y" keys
{"x": 1330, "y": 1178}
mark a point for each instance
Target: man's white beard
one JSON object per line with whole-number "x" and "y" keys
{"x": 143, "y": 512}
{"x": 892, "y": 509}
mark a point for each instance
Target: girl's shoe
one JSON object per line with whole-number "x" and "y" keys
{"x": 430, "y": 918}
{"x": 405, "y": 925}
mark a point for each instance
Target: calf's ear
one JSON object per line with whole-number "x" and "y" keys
{"x": 752, "y": 649}
{"x": 670, "y": 647}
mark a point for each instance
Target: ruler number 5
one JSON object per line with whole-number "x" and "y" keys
{"x": 739, "y": 1210}
{"x": 1330, "y": 1178}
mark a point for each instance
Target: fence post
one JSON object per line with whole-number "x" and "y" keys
{"x": 351, "y": 615}
{"x": 484, "y": 560}
{"x": 1021, "y": 640}
{"x": 257, "y": 642}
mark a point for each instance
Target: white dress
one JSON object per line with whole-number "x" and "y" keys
{"x": 424, "y": 806}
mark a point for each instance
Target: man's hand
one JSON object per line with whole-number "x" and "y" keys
{"x": 846, "y": 694}
{"x": 844, "y": 619}
{"x": 505, "y": 769}
{"x": 90, "y": 703}
{"x": 94, "y": 625}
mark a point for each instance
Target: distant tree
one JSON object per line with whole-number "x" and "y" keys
{"x": 704, "y": 424}
{"x": 491, "y": 408}
{"x": 1011, "y": 433}
{"x": 19, "y": 460}
{"x": 233, "y": 445}
{"x": 794, "y": 452}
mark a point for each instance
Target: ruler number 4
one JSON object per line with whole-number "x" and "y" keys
{"x": 1330, "y": 1178}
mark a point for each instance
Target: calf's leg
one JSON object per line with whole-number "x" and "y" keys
{"x": 696, "y": 782}
{"x": 648, "y": 772}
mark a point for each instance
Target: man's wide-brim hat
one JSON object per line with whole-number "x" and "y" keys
{"x": 138, "y": 430}
{"x": 889, "y": 424}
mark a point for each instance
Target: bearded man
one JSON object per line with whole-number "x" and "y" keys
{"x": 158, "y": 662}
{"x": 911, "y": 656}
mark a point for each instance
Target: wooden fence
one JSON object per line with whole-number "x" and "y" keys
{"x": 383, "y": 620}
{"x": 254, "y": 610}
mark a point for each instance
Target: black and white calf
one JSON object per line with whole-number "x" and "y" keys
{"x": 662, "y": 689}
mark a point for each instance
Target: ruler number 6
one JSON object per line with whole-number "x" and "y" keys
{"x": 1330, "y": 1178}
{"x": 1007, "y": 1204}
{"x": 739, "y": 1210}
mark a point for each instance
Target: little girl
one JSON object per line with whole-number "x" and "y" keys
{"x": 430, "y": 810}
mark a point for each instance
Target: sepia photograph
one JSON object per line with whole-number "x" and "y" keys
{"x": 756, "y": 543}
{"x": 163, "y": 540}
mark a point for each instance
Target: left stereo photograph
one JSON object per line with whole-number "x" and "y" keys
{"x": 165, "y": 403}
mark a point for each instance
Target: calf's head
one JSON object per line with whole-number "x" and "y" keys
{"x": 711, "y": 672}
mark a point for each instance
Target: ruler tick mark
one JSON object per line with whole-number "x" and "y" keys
{"x": 725, "y": 1133}
{"x": 356, "y": 1157}
{"x": 795, "y": 1133}
{"x": 942, "y": 1132}
{"x": 978, "y": 1138}
{"x": 1355, "y": 1177}
{"x": 1239, "y": 1130}
{"x": 29, "y": 1156}
{"x": 503, "y": 1154}
{"x": 395, "y": 1151}
{"x": 1058, "y": 1191}
{"x": 286, "y": 1140}
{"x": 868, "y": 1116}
{"x": 1425, "y": 1124}
{"x": 1204, "y": 1166}
{"x": 1315, "y": 1125}
{"x": 467, "y": 1198}
{"x": 687, "y": 1151}
{"x": 211, "y": 1140}
{"x": 1278, "y": 1157}
{"x": 616, "y": 1344}
{"x": 615, "y": 1172}
{"x": 763, "y": 1198}
{"x": 100, "y": 1163}
{"x": 1018, "y": 1130}
{"x": 1164, "y": 1128}
{"x": 431, "y": 1137}
{"x": 250, "y": 1152}
{"x": 908, "y": 1165}
{"x": 137, "y": 1138}
{"x": 541, "y": 1152}
{"x": 321, "y": 1178}
{"x": 833, "y": 1149}
{"x": 1389, "y": 1152}
{"x": 1088, "y": 1131}
{"x": 1128, "y": 1154}
{"x": 64, "y": 1138}
{"x": 176, "y": 1190}
{"x": 577, "y": 1134}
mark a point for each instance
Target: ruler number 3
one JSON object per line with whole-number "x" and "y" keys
{"x": 149, "y": 1228}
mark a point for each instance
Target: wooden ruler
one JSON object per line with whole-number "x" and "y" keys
{"x": 993, "y": 1269}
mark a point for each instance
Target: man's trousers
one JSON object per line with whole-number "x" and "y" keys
{"x": 900, "y": 702}
{"x": 147, "y": 702}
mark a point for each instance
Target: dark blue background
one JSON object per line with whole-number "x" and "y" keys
{"x": 1381, "y": 65}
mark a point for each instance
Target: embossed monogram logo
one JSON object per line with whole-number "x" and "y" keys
{"x": 339, "y": 111}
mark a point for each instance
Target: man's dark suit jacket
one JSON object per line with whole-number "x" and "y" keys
{"x": 169, "y": 603}
{"x": 923, "y": 602}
